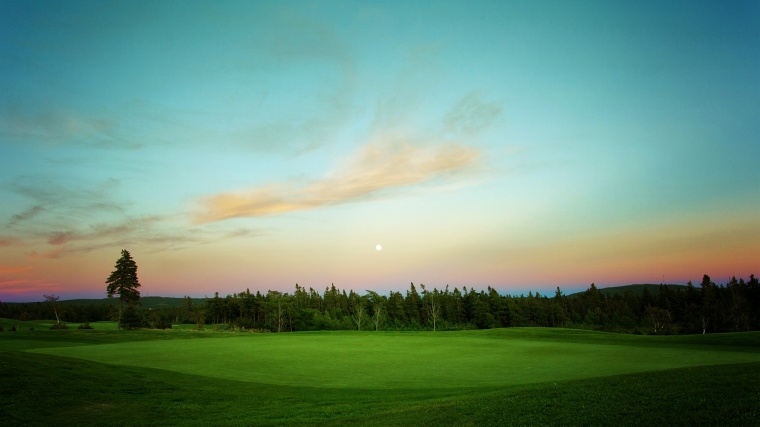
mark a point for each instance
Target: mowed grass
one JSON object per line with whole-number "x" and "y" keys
{"x": 524, "y": 376}
{"x": 393, "y": 360}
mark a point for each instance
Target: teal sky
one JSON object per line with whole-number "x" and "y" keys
{"x": 517, "y": 145}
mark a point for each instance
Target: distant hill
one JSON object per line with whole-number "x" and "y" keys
{"x": 146, "y": 302}
{"x": 634, "y": 289}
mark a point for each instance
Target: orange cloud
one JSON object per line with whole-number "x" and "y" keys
{"x": 60, "y": 238}
{"x": 377, "y": 168}
{"x": 11, "y": 269}
{"x": 22, "y": 287}
{"x": 8, "y": 241}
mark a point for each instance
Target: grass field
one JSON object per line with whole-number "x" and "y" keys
{"x": 518, "y": 376}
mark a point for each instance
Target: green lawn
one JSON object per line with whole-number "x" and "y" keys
{"x": 505, "y": 376}
{"x": 394, "y": 360}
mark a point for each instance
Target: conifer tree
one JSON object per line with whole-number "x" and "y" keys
{"x": 123, "y": 281}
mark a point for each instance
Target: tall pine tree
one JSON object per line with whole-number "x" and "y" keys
{"x": 123, "y": 281}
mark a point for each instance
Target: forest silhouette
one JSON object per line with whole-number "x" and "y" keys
{"x": 707, "y": 308}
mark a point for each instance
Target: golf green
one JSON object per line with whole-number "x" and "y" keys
{"x": 419, "y": 360}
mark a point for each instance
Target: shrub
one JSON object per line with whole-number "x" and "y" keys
{"x": 131, "y": 318}
{"x": 242, "y": 323}
{"x": 85, "y": 325}
{"x": 2, "y": 328}
{"x": 159, "y": 320}
{"x": 59, "y": 326}
{"x": 162, "y": 324}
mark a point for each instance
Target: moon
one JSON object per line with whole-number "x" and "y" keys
{"x": 379, "y": 247}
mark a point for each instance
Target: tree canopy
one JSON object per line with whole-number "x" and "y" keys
{"x": 123, "y": 280}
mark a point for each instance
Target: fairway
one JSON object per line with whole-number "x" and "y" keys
{"x": 419, "y": 360}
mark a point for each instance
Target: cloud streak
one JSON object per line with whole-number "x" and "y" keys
{"x": 378, "y": 168}
{"x": 6, "y": 241}
{"x": 131, "y": 230}
{"x": 27, "y": 214}
{"x": 18, "y": 287}
{"x": 154, "y": 233}
{"x": 62, "y": 125}
{"x": 471, "y": 115}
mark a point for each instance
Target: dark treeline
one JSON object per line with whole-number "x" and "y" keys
{"x": 706, "y": 308}
{"x": 79, "y": 313}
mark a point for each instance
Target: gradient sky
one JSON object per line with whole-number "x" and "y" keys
{"x": 517, "y": 145}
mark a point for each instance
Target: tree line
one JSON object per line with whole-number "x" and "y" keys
{"x": 706, "y": 308}
{"x": 734, "y": 306}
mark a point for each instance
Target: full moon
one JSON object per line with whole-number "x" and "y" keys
{"x": 379, "y": 247}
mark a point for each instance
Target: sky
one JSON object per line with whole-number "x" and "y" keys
{"x": 259, "y": 144}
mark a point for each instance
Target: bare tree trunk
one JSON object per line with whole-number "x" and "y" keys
{"x": 377, "y": 315}
{"x": 280, "y": 319}
{"x": 357, "y": 314}
{"x": 434, "y": 309}
{"x": 53, "y": 300}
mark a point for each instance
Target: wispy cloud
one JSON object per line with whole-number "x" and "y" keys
{"x": 129, "y": 231}
{"x": 26, "y": 287}
{"x": 379, "y": 167}
{"x": 54, "y": 195}
{"x": 25, "y": 215}
{"x": 471, "y": 115}
{"x": 61, "y": 125}
{"x": 153, "y": 233}
{"x": 61, "y": 237}
{"x": 69, "y": 218}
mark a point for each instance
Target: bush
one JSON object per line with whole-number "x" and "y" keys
{"x": 132, "y": 318}
{"x": 2, "y": 328}
{"x": 85, "y": 325}
{"x": 162, "y": 324}
{"x": 59, "y": 326}
{"x": 159, "y": 320}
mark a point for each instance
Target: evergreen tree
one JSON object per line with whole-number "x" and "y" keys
{"x": 455, "y": 310}
{"x": 123, "y": 281}
{"x": 709, "y": 306}
{"x": 498, "y": 308}
{"x": 395, "y": 308}
{"x": 413, "y": 306}
{"x": 214, "y": 308}
{"x": 753, "y": 293}
{"x": 332, "y": 302}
